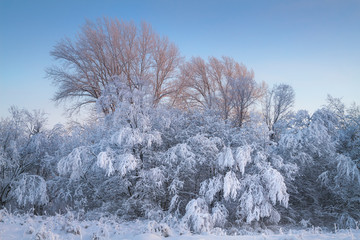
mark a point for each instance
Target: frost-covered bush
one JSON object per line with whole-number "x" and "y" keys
{"x": 197, "y": 217}
{"x": 26, "y": 150}
{"x": 30, "y": 189}
{"x": 46, "y": 234}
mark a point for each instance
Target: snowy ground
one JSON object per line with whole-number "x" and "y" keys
{"x": 28, "y": 227}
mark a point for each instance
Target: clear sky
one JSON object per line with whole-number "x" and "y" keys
{"x": 313, "y": 45}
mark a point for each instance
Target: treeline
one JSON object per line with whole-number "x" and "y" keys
{"x": 179, "y": 142}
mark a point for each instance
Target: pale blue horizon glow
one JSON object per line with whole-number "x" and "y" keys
{"x": 312, "y": 45}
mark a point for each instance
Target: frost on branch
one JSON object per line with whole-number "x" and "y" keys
{"x": 128, "y": 137}
{"x": 209, "y": 188}
{"x": 225, "y": 158}
{"x": 347, "y": 171}
{"x": 219, "y": 215}
{"x": 197, "y": 218}
{"x": 105, "y": 161}
{"x": 149, "y": 192}
{"x": 3, "y": 162}
{"x": 74, "y": 163}
{"x": 261, "y": 193}
{"x": 180, "y": 154}
{"x": 252, "y": 201}
{"x": 126, "y": 163}
{"x": 31, "y": 189}
{"x": 231, "y": 185}
{"x": 276, "y": 187}
{"x": 204, "y": 147}
{"x": 243, "y": 157}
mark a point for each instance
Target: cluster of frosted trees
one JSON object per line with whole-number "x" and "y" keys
{"x": 179, "y": 142}
{"x": 191, "y": 169}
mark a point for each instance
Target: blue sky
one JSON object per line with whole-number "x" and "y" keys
{"x": 312, "y": 45}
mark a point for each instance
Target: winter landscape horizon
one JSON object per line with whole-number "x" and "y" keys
{"x": 179, "y": 120}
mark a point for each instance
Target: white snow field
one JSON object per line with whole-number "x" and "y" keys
{"x": 26, "y": 227}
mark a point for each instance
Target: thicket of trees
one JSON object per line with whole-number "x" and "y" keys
{"x": 179, "y": 142}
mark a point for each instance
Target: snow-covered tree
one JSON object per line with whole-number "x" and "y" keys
{"x": 277, "y": 105}
{"x": 24, "y": 150}
{"x": 321, "y": 190}
{"x": 219, "y": 172}
{"x": 222, "y": 85}
{"x": 112, "y": 47}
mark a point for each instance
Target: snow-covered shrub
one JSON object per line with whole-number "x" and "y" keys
{"x": 219, "y": 215}
{"x": 159, "y": 228}
{"x": 30, "y": 189}
{"x": 197, "y": 217}
{"x": 26, "y": 162}
{"x": 46, "y": 234}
